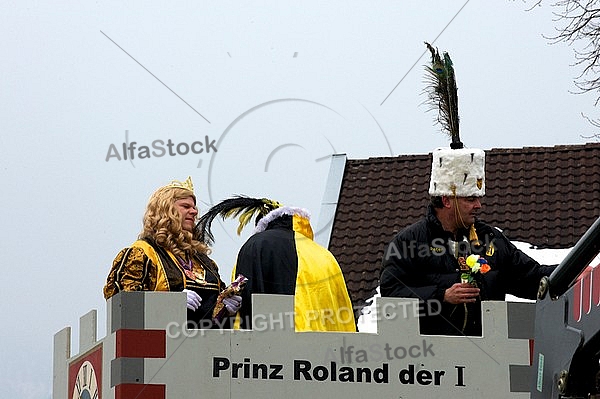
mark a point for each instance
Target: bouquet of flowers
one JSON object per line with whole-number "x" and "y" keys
{"x": 470, "y": 266}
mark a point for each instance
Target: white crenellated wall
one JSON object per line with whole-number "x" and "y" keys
{"x": 147, "y": 343}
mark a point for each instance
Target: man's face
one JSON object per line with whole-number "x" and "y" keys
{"x": 187, "y": 210}
{"x": 468, "y": 208}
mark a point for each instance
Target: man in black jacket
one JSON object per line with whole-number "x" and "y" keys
{"x": 430, "y": 260}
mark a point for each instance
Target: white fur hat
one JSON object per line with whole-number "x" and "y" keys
{"x": 458, "y": 172}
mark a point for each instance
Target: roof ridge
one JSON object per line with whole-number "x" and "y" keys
{"x": 555, "y": 148}
{"x": 494, "y": 150}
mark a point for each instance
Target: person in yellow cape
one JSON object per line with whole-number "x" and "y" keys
{"x": 282, "y": 258}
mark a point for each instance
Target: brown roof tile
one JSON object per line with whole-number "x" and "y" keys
{"x": 546, "y": 196}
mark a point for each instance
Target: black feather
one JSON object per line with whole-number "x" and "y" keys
{"x": 244, "y": 207}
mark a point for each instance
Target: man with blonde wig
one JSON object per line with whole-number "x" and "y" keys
{"x": 168, "y": 257}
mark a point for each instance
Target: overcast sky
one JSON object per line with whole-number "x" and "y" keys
{"x": 271, "y": 89}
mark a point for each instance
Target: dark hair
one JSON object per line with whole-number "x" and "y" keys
{"x": 436, "y": 202}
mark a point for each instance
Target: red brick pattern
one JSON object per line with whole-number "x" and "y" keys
{"x": 140, "y": 391}
{"x": 132, "y": 343}
{"x": 141, "y": 343}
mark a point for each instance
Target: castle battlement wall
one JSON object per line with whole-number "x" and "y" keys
{"x": 149, "y": 354}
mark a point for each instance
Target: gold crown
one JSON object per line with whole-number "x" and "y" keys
{"x": 187, "y": 184}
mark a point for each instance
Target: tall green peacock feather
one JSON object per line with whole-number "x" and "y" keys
{"x": 443, "y": 94}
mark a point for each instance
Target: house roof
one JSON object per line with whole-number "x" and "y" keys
{"x": 546, "y": 196}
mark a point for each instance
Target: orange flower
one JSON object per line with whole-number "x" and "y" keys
{"x": 485, "y": 268}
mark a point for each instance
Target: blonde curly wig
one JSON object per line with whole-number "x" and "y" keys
{"x": 162, "y": 223}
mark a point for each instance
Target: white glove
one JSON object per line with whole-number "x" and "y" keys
{"x": 233, "y": 304}
{"x": 193, "y": 299}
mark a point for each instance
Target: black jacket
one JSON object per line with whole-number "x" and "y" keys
{"x": 418, "y": 263}
{"x": 283, "y": 259}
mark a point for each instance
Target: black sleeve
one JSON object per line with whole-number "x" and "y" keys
{"x": 402, "y": 276}
{"x": 524, "y": 273}
{"x": 269, "y": 261}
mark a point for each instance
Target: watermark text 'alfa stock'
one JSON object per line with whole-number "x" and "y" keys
{"x": 159, "y": 148}
{"x": 437, "y": 247}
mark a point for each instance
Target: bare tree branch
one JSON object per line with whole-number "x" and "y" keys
{"x": 580, "y": 28}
